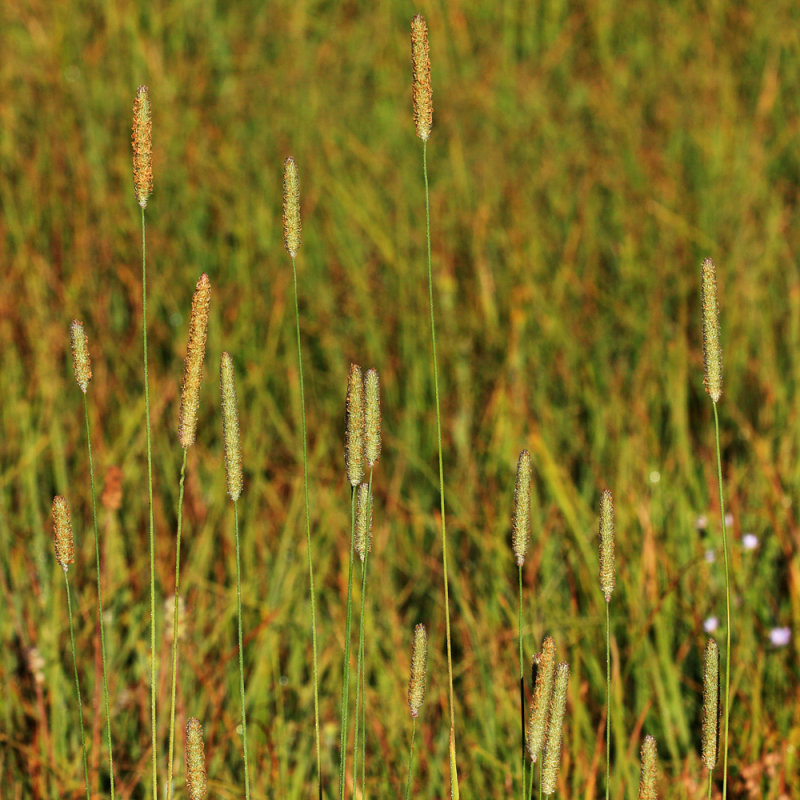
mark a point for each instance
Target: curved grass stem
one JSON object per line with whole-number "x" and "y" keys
{"x": 176, "y": 604}
{"x": 241, "y": 650}
{"x": 453, "y": 761}
{"x": 99, "y": 597}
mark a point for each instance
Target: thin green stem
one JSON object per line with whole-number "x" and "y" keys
{"x": 530, "y": 784}
{"x": 411, "y": 757}
{"x": 454, "y": 770}
{"x": 364, "y": 671}
{"x": 241, "y": 649}
{"x": 540, "y": 774}
{"x": 77, "y": 686}
{"x": 727, "y": 610}
{"x": 359, "y": 667}
{"x": 709, "y": 785}
{"x": 176, "y": 605}
{"x": 521, "y": 685}
{"x": 346, "y": 664}
{"x": 99, "y": 595}
{"x": 608, "y": 700}
{"x": 308, "y": 532}
{"x": 153, "y": 731}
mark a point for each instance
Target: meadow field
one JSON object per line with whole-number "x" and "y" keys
{"x": 584, "y": 159}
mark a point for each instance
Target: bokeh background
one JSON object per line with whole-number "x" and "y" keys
{"x": 585, "y": 158}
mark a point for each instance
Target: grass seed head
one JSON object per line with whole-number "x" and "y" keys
{"x": 372, "y": 417}
{"x": 142, "y": 146}
{"x": 62, "y": 533}
{"x": 419, "y": 669}
{"x": 363, "y": 536}
{"x": 193, "y": 369}
{"x": 291, "y": 207}
{"x": 354, "y": 427}
{"x": 710, "y": 704}
{"x": 649, "y": 776}
{"x": 81, "y": 362}
{"x": 607, "y": 563}
{"x": 551, "y": 760}
{"x": 521, "y": 520}
{"x": 422, "y": 92}
{"x": 230, "y": 427}
{"x": 196, "y": 782}
{"x": 542, "y": 694}
{"x": 712, "y": 342}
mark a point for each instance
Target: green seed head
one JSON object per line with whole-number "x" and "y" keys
{"x": 230, "y": 427}
{"x": 607, "y": 565}
{"x": 422, "y": 93}
{"x": 62, "y": 533}
{"x": 142, "y": 140}
{"x": 710, "y": 704}
{"x": 363, "y": 535}
{"x": 551, "y": 760}
{"x": 354, "y": 427}
{"x": 712, "y": 342}
{"x": 291, "y": 207}
{"x": 649, "y": 776}
{"x": 193, "y": 366}
{"x": 196, "y": 785}
{"x": 81, "y": 362}
{"x": 521, "y": 521}
{"x": 542, "y": 694}
{"x": 419, "y": 666}
{"x": 372, "y": 417}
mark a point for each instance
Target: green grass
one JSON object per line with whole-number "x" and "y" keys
{"x": 581, "y": 165}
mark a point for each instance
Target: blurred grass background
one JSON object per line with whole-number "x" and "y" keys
{"x": 584, "y": 158}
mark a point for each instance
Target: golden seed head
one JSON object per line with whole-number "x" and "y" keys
{"x": 196, "y": 784}
{"x": 712, "y": 342}
{"x": 419, "y": 670}
{"x": 649, "y": 776}
{"x": 551, "y": 759}
{"x": 363, "y": 535}
{"x": 81, "y": 362}
{"x": 521, "y": 520}
{"x": 542, "y": 694}
{"x": 291, "y": 207}
{"x": 710, "y": 704}
{"x": 354, "y": 427}
{"x": 142, "y": 146}
{"x": 193, "y": 369}
{"x": 607, "y": 565}
{"x": 62, "y": 533}
{"x": 372, "y": 417}
{"x": 230, "y": 427}
{"x": 422, "y": 91}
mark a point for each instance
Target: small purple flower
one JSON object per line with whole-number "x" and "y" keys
{"x": 701, "y": 522}
{"x": 711, "y": 556}
{"x": 780, "y": 636}
{"x": 710, "y": 625}
{"x": 728, "y": 520}
{"x": 749, "y": 541}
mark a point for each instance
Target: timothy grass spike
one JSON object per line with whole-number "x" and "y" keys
{"x": 419, "y": 670}
{"x": 372, "y": 417}
{"x": 62, "y": 533}
{"x": 230, "y": 427}
{"x": 354, "y": 429}
{"x": 422, "y": 91}
{"x": 521, "y": 521}
{"x": 551, "y": 760}
{"x": 363, "y": 521}
{"x": 142, "y": 140}
{"x": 292, "y": 227}
{"x": 193, "y": 370}
{"x": 607, "y": 565}
{"x": 81, "y": 361}
{"x": 710, "y": 704}
{"x": 649, "y": 776}
{"x": 196, "y": 781}
{"x": 712, "y": 343}
{"x": 542, "y": 696}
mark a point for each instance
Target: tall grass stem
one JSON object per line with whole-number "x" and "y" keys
{"x": 608, "y": 701}
{"x": 521, "y": 686}
{"x": 176, "y": 598}
{"x": 77, "y": 685}
{"x": 454, "y": 771}
{"x": 727, "y": 610}
{"x": 241, "y": 649}
{"x": 411, "y": 758}
{"x": 99, "y": 595}
{"x": 308, "y": 531}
